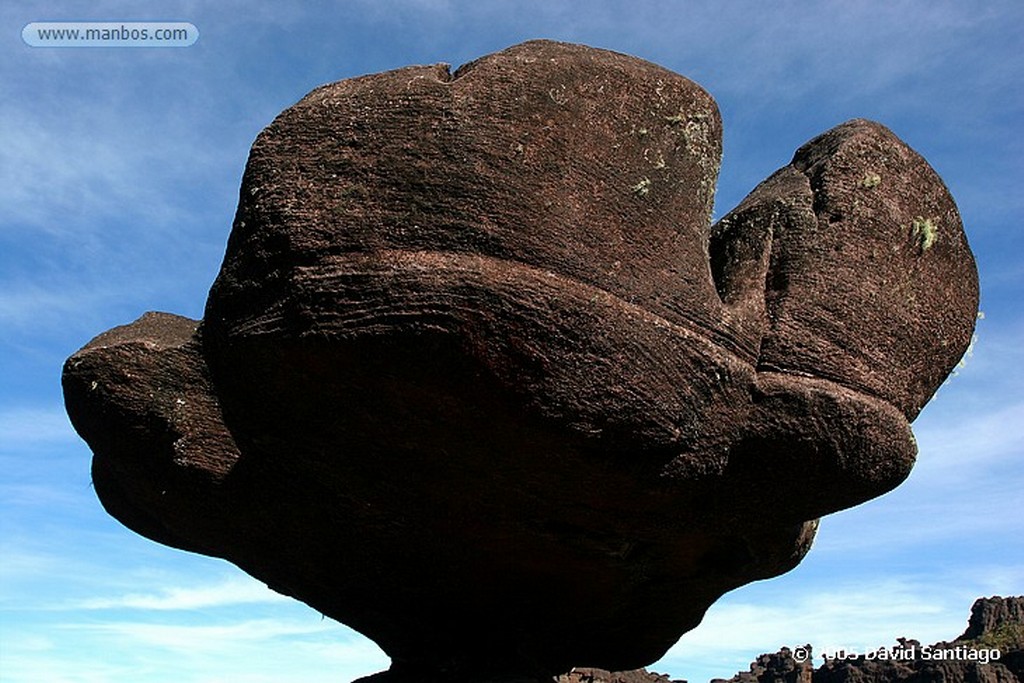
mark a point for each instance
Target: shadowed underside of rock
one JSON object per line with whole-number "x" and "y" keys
{"x": 479, "y": 379}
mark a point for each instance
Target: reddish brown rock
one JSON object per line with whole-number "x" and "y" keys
{"x": 479, "y": 379}
{"x": 588, "y": 675}
{"x": 866, "y": 245}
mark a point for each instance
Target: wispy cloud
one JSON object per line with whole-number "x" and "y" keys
{"x": 28, "y": 305}
{"x": 51, "y": 174}
{"x": 251, "y": 650}
{"x": 966, "y": 479}
{"x": 851, "y": 613}
{"x": 231, "y": 591}
{"x": 857, "y": 616}
{"x": 973, "y": 443}
{"x": 200, "y": 638}
{"x": 21, "y": 427}
{"x": 233, "y": 628}
{"x": 22, "y": 562}
{"x": 255, "y": 651}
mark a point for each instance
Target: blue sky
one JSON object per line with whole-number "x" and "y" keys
{"x": 119, "y": 173}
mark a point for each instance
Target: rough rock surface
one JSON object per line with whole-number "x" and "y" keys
{"x": 990, "y": 615}
{"x": 585, "y": 675}
{"x": 479, "y": 379}
{"x": 996, "y": 624}
{"x": 780, "y": 667}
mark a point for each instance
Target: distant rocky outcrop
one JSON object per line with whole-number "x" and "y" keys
{"x": 991, "y": 650}
{"x": 996, "y": 618}
{"x": 479, "y": 378}
{"x": 780, "y": 667}
{"x": 585, "y": 675}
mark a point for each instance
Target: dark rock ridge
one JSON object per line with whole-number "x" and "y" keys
{"x": 990, "y": 615}
{"x": 996, "y": 626}
{"x": 479, "y": 378}
{"x": 585, "y": 675}
{"x": 780, "y": 667}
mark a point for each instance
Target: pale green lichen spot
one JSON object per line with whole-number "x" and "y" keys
{"x": 924, "y": 231}
{"x": 870, "y": 180}
{"x": 642, "y": 188}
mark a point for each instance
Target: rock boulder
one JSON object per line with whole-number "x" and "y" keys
{"x": 479, "y": 378}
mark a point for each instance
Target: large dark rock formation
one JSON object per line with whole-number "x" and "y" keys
{"x": 479, "y": 379}
{"x": 990, "y": 651}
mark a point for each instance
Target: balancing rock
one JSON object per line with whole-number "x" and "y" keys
{"x": 479, "y": 378}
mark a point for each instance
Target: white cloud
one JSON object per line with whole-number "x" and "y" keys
{"x": 49, "y": 172}
{"x": 255, "y": 650}
{"x": 973, "y": 444}
{"x": 26, "y": 306}
{"x": 22, "y": 428}
{"x": 853, "y": 615}
{"x": 945, "y": 504}
{"x": 238, "y": 590}
{"x": 200, "y": 638}
{"x": 44, "y": 497}
{"x": 27, "y": 666}
{"x": 20, "y": 563}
